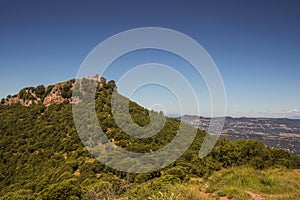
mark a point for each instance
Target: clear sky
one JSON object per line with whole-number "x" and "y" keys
{"x": 255, "y": 44}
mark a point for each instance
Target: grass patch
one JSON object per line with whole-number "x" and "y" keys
{"x": 274, "y": 183}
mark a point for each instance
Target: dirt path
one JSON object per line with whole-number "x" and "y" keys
{"x": 210, "y": 195}
{"x": 254, "y": 196}
{"x": 203, "y": 193}
{"x": 213, "y": 195}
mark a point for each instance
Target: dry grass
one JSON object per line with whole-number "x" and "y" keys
{"x": 238, "y": 183}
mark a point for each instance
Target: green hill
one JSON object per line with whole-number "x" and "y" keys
{"x": 42, "y": 157}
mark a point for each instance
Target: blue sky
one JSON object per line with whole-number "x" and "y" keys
{"x": 255, "y": 44}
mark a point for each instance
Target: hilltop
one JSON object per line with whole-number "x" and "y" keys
{"x": 52, "y": 94}
{"x": 42, "y": 156}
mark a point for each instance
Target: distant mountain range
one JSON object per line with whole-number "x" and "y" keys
{"x": 274, "y": 132}
{"x": 295, "y": 117}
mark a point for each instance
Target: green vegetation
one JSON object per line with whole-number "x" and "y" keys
{"x": 273, "y": 183}
{"x": 42, "y": 157}
{"x": 66, "y": 91}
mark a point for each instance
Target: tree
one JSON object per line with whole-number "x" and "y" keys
{"x": 40, "y": 91}
{"x": 63, "y": 191}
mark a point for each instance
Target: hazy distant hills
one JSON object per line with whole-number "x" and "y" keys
{"x": 295, "y": 117}
{"x": 274, "y": 132}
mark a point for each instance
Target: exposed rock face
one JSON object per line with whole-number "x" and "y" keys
{"x": 98, "y": 79}
{"x": 53, "y": 94}
{"x": 23, "y": 102}
{"x": 54, "y": 97}
{"x": 12, "y": 100}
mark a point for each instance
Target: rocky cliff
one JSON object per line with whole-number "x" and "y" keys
{"x": 52, "y": 94}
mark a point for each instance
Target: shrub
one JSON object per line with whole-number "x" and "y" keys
{"x": 63, "y": 191}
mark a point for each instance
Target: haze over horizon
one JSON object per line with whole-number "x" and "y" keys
{"x": 255, "y": 44}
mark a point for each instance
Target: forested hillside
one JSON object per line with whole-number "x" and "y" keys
{"x": 42, "y": 157}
